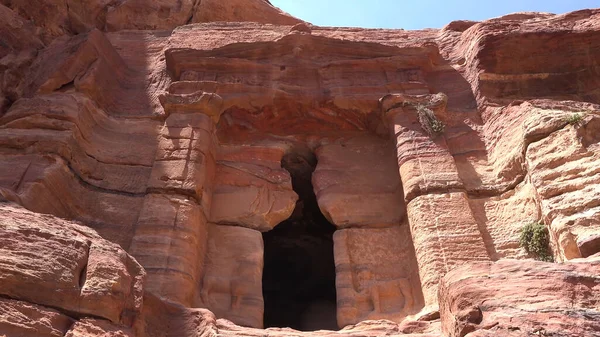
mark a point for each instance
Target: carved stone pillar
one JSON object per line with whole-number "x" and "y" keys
{"x": 376, "y": 274}
{"x": 231, "y": 284}
{"x": 359, "y": 191}
{"x": 444, "y": 231}
{"x": 171, "y": 243}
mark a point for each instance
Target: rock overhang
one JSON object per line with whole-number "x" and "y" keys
{"x": 330, "y": 83}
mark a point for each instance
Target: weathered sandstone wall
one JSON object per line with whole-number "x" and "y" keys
{"x": 142, "y": 152}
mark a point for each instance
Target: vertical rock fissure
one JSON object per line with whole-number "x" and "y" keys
{"x": 299, "y": 271}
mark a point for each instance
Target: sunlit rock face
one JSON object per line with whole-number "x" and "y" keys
{"x": 221, "y": 168}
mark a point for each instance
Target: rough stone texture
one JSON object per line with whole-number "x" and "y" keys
{"x": 251, "y": 188}
{"x": 362, "y": 329}
{"x": 425, "y": 161}
{"x": 17, "y": 33}
{"x": 162, "y": 318}
{"x": 445, "y": 235}
{"x": 170, "y": 242}
{"x": 90, "y": 64}
{"x": 167, "y": 139}
{"x": 55, "y": 18}
{"x": 529, "y": 304}
{"x": 19, "y": 318}
{"x": 521, "y": 298}
{"x": 64, "y": 156}
{"x": 500, "y": 219}
{"x": 376, "y": 275}
{"x": 185, "y": 158}
{"x": 42, "y": 256}
{"x": 564, "y": 170}
{"x": 108, "y": 153}
{"x": 231, "y": 285}
{"x": 96, "y": 327}
{"x": 357, "y": 184}
{"x": 17, "y": 51}
{"x": 241, "y": 10}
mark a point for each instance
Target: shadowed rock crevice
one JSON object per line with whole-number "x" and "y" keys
{"x": 299, "y": 272}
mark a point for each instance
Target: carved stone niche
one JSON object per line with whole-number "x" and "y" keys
{"x": 298, "y": 148}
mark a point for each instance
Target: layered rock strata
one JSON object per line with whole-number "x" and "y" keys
{"x": 167, "y": 141}
{"x": 527, "y": 305}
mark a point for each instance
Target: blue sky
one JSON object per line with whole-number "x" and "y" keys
{"x": 417, "y": 14}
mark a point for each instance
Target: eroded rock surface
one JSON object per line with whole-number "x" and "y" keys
{"x": 251, "y": 188}
{"x": 521, "y": 298}
{"x": 179, "y": 143}
{"x": 231, "y": 285}
{"x": 57, "y": 264}
{"x": 357, "y": 184}
{"x": 376, "y": 275}
{"x": 56, "y": 18}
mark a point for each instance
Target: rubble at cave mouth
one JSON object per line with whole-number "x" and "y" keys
{"x": 299, "y": 270}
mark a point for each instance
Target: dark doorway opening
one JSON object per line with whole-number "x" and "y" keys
{"x": 299, "y": 271}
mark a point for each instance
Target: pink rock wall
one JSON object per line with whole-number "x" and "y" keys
{"x": 166, "y": 142}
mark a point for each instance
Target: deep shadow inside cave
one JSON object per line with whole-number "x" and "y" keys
{"x": 299, "y": 270}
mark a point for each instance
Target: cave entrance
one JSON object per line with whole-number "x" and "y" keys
{"x": 299, "y": 271}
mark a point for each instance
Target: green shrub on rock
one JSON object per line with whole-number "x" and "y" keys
{"x": 429, "y": 121}
{"x": 535, "y": 239}
{"x": 574, "y": 119}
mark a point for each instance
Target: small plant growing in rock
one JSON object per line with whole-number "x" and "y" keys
{"x": 535, "y": 239}
{"x": 574, "y": 119}
{"x": 428, "y": 120}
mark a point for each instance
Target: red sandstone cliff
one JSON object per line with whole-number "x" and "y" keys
{"x": 159, "y": 166}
